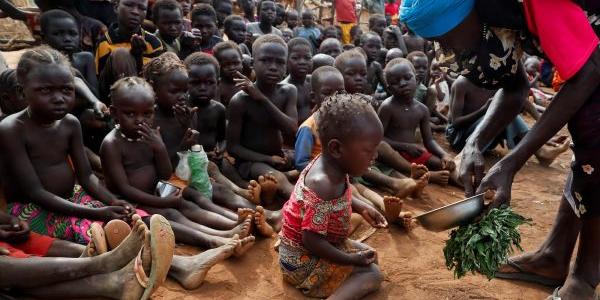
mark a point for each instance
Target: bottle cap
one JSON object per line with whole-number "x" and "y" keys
{"x": 197, "y": 148}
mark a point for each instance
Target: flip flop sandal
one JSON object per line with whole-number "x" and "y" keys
{"x": 162, "y": 243}
{"x": 98, "y": 238}
{"x": 116, "y": 231}
{"x": 527, "y": 277}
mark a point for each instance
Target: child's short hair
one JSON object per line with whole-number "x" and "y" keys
{"x": 200, "y": 59}
{"x": 374, "y": 18}
{"x": 266, "y": 39}
{"x": 320, "y": 60}
{"x": 162, "y": 65}
{"x": 332, "y": 28}
{"x": 228, "y": 22}
{"x": 354, "y": 30}
{"x": 164, "y": 5}
{"x": 366, "y": 36}
{"x": 298, "y": 41}
{"x": 337, "y": 115}
{"x": 416, "y": 54}
{"x": 397, "y": 61}
{"x": 127, "y": 83}
{"x": 318, "y": 74}
{"x": 39, "y": 55}
{"x": 222, "y": 46}
{"x": 346, "y": 55}
{"x": 204, "y": 9}
{"x": 259, "y": 5}
{"x": 54, "y": 14}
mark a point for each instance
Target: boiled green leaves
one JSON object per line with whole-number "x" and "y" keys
{"x": 483, "y": 246}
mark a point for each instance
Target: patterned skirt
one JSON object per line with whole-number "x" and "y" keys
{"x": 63, "y": 227}
{"x": 314, "y": 276}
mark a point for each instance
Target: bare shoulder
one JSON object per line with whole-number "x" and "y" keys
{"x": 386, "y": 104}
{"x": 110, "y": 142}
{"x": 239, "y": 100}
{"x": 12, "y": 125}
{"x": 217, "y": 106}
{"x": 421, "y": 108}
{"x": 320, "y": 184}
{"x": 287, "y": 88}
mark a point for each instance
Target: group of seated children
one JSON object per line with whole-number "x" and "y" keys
{"x": 299, "y": 134}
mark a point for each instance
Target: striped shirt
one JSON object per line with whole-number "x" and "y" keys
{"x": 112, "y": 40}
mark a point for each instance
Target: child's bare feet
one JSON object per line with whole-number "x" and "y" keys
{"x": 417, "y": 171}
{"x": 244, "y": 213}
{"x": 393, "y": 206}
{"x": 551, "y": 150}
{"x": 126, "y": 251}
{"x": 255, "y": 190}
{"x": 116, "y": 231}
{"x": 244, "y": 245}
{"x": 403, "y": 187}
{"x": 407, "y": 220}
{"x": 242, "y": 229}
{"x": 421, "y": 184}
{"x": 440, "y": 177}
{"x": 269, "y": 186}
{"x": 193, "y": 269}
{"x": 261, "y": 222}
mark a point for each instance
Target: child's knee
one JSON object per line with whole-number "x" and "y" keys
{"x": 375, "y": 276}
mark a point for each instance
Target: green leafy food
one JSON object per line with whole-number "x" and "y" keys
{"x": 484, "y": 246}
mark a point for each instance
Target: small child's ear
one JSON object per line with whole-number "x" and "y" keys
{"x": 334, "y": 147}
{"x": 19, "y": 91}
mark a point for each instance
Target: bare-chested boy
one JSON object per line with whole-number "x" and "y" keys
{"x": 371, "y": 43}
{"x": 401, "y": 115}
{"x": 424, "y": 94}
{"x": 352, "y": 64}
{"x": 468, "y": 105}
{"x": 229, "y": 56}
{"x": 40, "y": 185}
{"x": 261, "y": 114}
{"x": 299, "y": 67}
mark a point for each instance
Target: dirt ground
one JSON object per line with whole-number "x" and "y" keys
{"x": 413, "y": 263}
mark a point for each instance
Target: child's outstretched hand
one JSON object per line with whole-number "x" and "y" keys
{"x": 373, "y": 217}
{"x": 183, "y": 114}
{"x": 248, "y": 86}
{"x": 151, "y": 137}
{"x": 190, "y": 138}
{"x": 138, "y": 45}
{"x": 364, "y": 257}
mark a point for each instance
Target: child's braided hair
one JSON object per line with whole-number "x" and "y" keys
{"x": 337, "y": 115}
{"x": 162, "y": 65}
{"x": 39, "y": 55}
{"x": 127, "y": 83}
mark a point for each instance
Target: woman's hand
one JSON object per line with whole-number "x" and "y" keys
{"x": 499, "y": 179}
{"x": 471, "y": 168}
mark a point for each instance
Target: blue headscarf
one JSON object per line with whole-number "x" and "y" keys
{"x": 433, "y": 18}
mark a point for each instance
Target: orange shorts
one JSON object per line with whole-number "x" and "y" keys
{"x": 36, "y": 245}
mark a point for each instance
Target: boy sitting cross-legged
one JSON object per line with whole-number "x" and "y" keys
{"x": 401, "y": 115}
{"x": 261, "y": 114}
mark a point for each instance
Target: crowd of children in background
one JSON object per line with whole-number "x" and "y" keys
{"x": 301, "y": 122}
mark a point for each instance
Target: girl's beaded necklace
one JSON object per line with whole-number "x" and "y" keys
{"x": 118, "y": 128}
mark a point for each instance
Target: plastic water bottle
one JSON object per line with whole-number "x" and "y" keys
{"x": 199, "y": 179}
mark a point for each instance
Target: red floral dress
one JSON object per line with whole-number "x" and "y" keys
{"x": 314, "y": 276}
